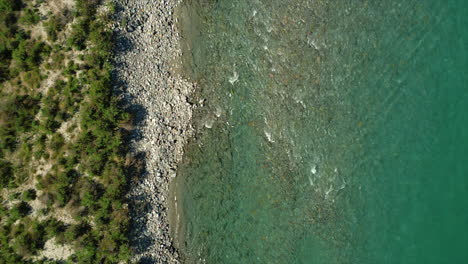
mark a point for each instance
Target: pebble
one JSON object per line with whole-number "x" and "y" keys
{"x": 148, "y": 44}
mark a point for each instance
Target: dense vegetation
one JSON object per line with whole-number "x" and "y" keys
{"x": 62, "y": 162}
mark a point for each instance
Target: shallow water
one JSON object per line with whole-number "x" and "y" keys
{"x": 329, "y": 132}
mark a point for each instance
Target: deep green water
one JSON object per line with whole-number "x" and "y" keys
{"x": 330, "y": 132}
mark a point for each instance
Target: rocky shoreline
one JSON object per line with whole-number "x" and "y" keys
{"x": 147, "y": 48}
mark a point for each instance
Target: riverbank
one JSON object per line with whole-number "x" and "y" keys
{"x": 147, "y": 52}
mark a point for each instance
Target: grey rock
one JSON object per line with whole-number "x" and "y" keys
{"x": 143, "y": 57}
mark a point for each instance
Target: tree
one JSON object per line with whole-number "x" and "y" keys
{"x": 10, "y": 5}
{"x": 29, "y": 17}
{"x": 20, "y": 210}
{"x": 29, "y": 195}
{"x": 6, "y": 173}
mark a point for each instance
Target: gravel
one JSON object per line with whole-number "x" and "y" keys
{"x": 147, "y": 46}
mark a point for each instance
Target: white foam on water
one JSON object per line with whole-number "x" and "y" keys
{"x": 313, "y": 169}
{"x": 218, "y": 111}
{"x": 298, "y": 101}
{"x": 343, "y": 185}
{"x": 327, "y": 193}
{"x": 234, "y": 78}
{"x": 269, "y": 137}
{"x": 311, "y": 181}
{"x": 311, "y": 42}
{"x": 209, "y": 123}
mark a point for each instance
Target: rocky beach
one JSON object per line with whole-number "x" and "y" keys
{"x": 146, "y": 55}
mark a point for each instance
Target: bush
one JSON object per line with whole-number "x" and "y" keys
{"x": 32, "y": 79}
{"x": 57, "y": 142}
{"x": 14, "y": 196}
{"x": 29, "y": 17}
{"x": 29, "y": 195}
{"x": 52, "y": 27}
{"x": 62, "y": 194}
{"x": 20, "y": 210}
{"x": 95, "y": 150}
{"x": 20, "y": 54}
{"x": 28, "y": 239}
{"x": 16, "y": 116}
{"x": 6, "y": 173}
{"x": 78, "y": 36}
{"x": 57, "y": 59}
{"x": 38, "y": 51}
{"x": 75, "y": 231}
{"x": 10, "y": 5}
{"x": 53, "y": 227}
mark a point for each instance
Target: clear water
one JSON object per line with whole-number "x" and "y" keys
{"x": 330, "y": 132}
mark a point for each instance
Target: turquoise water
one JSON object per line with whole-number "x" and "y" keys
{"x": 327, "y": 132}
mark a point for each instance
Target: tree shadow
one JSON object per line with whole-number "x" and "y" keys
{"x": 122, "y": 44}
{"x": 146, "y": 260}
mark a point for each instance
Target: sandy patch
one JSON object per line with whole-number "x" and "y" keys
{"x": 55, "y": 251}
{"x": 50, "y": 81}
{"x": 57, "y": 6}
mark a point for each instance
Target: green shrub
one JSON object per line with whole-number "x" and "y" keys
{"x": 10, "y": 5}
{"x": 16, "y": 116}
{"x": 38, "y": 51}
{"x": 22, "y": 209}
{"x": 75, "y": 231}
{"x": 6, "y": 173}
{"x": 57, "y": 142}
{"x": 29, "y": 195}
{"x": 28, "y": 136}
{"x": 62, "y": 195}
{"x": 32, "y": 79}
{"x": 52, "y": 27}
{"x": 53, "y": 227}
{"x": 14, "y": 196}
{"x": 78, "y": 36}
{"x": 57, "y": 59}
{"x": 20, "y": 54}
{"x": 29, "y": 17}
{"x": 28, "y": 239}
